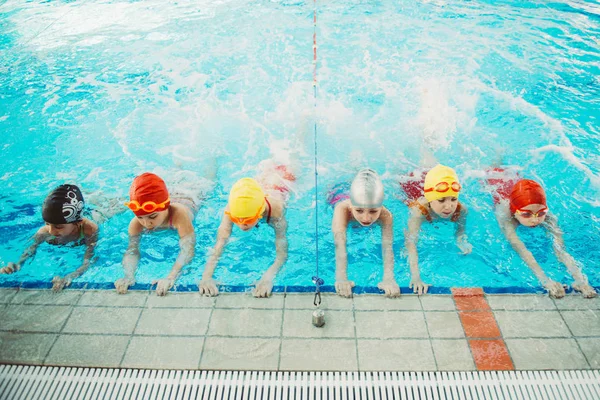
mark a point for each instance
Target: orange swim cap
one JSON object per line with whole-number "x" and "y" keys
{"x": 524, "y": 193}
{"x": 148, "y": 187}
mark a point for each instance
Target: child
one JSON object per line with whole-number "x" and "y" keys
{"x": 434, "y": 199}
{"x": 363, "y": 205}
{"x": 62, "y": 212}
{"x": 523, "y": 202}
{"x": 155, "y": 210}
{"x": 250, "y": 202}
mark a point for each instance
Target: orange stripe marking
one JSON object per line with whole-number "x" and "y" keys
{"x": 491, "y": 355}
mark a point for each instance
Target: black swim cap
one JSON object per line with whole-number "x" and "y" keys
{"x": 63, "y": 205}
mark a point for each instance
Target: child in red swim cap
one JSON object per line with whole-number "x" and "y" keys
{"x": 523, "y": 202}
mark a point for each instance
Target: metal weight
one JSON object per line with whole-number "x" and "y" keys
{"x": 318, "y": 318}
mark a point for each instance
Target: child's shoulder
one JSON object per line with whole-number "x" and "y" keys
{"x": 89, "y": 227}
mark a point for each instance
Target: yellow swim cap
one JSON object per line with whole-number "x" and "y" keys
{"x": 441, "y": 181}
{"x": 246, "y": 199}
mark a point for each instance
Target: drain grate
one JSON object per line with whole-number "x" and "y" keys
{"x": 62, "y": 383}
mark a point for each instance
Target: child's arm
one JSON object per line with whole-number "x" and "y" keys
{"x": 411, "y": 237}
{"x": 207, "y": 285}
{"x": 461, "y": 237}
{"x": 581, "y": 282}
{"x": 90, "y": 231}
{"x": 131, "y": 258}
{"x": 265, "y": 285}
{"x": 555, "y": 289}
{"x": 388, "y": 284}
{"x": 339, "y": 226}
{"x": 40, "y": 236}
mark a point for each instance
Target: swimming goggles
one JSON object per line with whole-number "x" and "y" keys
{"x": 528, "y": 214}
{"x": 245, "y": 220}
{"x": 148, "y": 206}
{"x": 443, "y": 187}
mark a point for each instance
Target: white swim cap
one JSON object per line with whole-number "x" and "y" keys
{"x": 366, "y": 190}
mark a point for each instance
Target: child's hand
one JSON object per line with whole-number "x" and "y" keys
{"x": 555, "y": 289}
{"x": 123, "y": 284}
{"x": 163, "y": 286}
{"x": 586, "y": 290}
{"x": 208, "y": 287}
{"x": 59, "y": 283}
{"x": 418, "y": 286}
{"x": 464, "y": 245}
{"x": 263, "y": 288}
{"x": 10, "y": 268}
{"x": 344, "y": 288}
{"x": 390, "y": 287}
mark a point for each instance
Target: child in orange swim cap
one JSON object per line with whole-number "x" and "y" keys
{"x": 523, "y": 202}
{"x": 156, "y": 209}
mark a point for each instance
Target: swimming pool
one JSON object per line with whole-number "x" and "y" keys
{"x": 95, "y": 92}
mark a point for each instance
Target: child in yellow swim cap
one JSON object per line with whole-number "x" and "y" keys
{"x": 434, "y": 198}
{"x": 252, "y": 201}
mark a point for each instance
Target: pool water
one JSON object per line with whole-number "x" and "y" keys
{"x": 94, "y": 92}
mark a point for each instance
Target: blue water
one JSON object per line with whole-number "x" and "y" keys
{"x": 95, "y": 92}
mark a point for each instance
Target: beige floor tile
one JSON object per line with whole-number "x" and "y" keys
{"x": 329, "y": 301}
{"x": 520, "y": 302}
{"x": 444, "y": 324}
{"x": 583, "y": 322}
{"x": 245, "y": 322}
{"x": 163, "y": 352}
{"x": 366, "y": 302}
{"x": 318, "y": 355}
{"x": 174, "y": 321}
{"x": 437, "y": 302}
{"x": 24, "y": 348}
{"x": 246, "y": 300}
{"x": 453, "y": 355}
{"x": 180, "y": 300}
{"x": 102, "y": 320}
{"x": 88, "y": 351}
{"x": 298, "y": 323}
{"x": 546, "y": 354}
{"x": 6, "y": 295}
{"x": 48, "y": 297}
{"x": 577, "y": 302}
{"x": 395, "y": 355}
{"x": 110, "y": 298}
{"x": 526, "y": 324}
{"x": 591, "y": 349}
{"x": 34, "y": 318}
{"x": 240, "y": 353}
{"x": 390, "y": 324}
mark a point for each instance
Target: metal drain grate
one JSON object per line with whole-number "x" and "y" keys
{"x": 61, "y": 383}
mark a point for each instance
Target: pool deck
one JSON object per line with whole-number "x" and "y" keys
{"x": 464, "y": 331}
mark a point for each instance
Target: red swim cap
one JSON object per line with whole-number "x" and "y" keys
{"x": 524, "y": 193}
{"x": 148, "y": 187}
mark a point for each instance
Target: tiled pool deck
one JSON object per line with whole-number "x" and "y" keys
{"x": 237, "y": 331}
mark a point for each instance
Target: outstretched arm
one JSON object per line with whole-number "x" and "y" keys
{"x": 40, "y": 236}
{"x": 91, "y": 239}
{"x": 339, "y": 226}
{"x": 131, "y": 258}
{"x": 461, "y": 237}
{"x": 411, "y": 237}
{"x": 207, "y": 285}
{"x": 388, "y": 284}
{"x": 265, "y": 285}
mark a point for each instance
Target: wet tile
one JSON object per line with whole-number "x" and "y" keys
{"x": 583, "y": 322}
{"x": 366, "y": 302}
{"x": 174, "y": 321}
{"x": 102, "y": 320}
{"x": 328, "y": 301}
{"x": 34, "y": 318}
{"x": 591, "y": 349}
{"x": 453, "y": 355}
{"x": 390, "y": 324}
{"x": 180, "y": 300}
{"x": 434, "y": 302}
{"x": 246, "y": 300}
{"x": 479, "y": 324}
{"x": 529, "y": 324}
{"x": 546, "y": 354}
{"x": 163, "y": 352}
{"x": 444, "y": 324}
{"x": 24, "y": 348}
{"x": 520, "y": 302}
{"x": 577, "y": 302}
{"x": 245, "y": 322}
{"x": 88, "y": 351}
{"x": 48, "y": 297}
{"x": 466, "y": 292}
{"x": 298, "y": 323}
{"x": 491, "y": 355}
{"x": 6, "y": 295}
{"x": 471, "y": 303}
{"x": 240, "y": 354}
{"x": 395, "y": 355}
{"x": 110, "y": 298}
{"x": 318, "y": 354}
